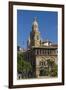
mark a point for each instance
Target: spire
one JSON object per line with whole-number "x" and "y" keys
{"x": 35, "y": 21}
{"x": 35, "y": 18}
{"x": 35, "y": 24}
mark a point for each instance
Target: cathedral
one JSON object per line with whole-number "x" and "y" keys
{"x": 41, "y": 54}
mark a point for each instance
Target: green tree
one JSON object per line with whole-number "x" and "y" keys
{"x": 53, "y": 68}
{"x": 22, "y": 65}
{"x": 44, "y": 72}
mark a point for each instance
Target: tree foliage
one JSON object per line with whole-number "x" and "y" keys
{"x": 22, "y": 64}
{"x": 54, "y": 68}
{"x": 51, "y": 70}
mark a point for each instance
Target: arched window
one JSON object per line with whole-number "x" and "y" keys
{"x": 50, "y": 62}
{"x": 41, "y": 63}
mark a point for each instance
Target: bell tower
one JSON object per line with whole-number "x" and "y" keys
{"x": 35, "y": 34}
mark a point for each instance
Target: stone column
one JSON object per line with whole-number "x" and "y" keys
{"x": 37, "y": 66}
{"x": 37, "y": 72}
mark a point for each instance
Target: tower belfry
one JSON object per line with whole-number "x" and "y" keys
{"x": 35, "y": 34}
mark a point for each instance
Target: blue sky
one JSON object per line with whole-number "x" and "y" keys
{"x": 48, "y": 25}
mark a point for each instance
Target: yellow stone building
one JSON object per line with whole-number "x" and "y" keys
{"x": 41, "y": 54}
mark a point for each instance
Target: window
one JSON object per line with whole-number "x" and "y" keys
{"x": 37, "y": 37}
{"x": 44, "y": 63}
{"x": 37, "y": 52}
{"x": 40, "y": 51}
{"x": 41, "y": 63}
{"x": 48, "y": 51}
{"x": 43, "y": 51}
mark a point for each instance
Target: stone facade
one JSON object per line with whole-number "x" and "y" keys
{"x": 40, "y": 52}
